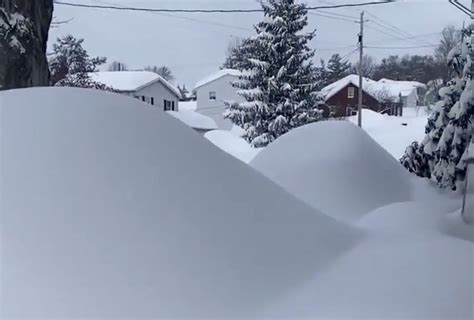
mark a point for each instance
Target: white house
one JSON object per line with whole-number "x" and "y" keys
{"x": 213, "y": 91}
{"x": 410, "y": 91}
{"x": 143, "y": 85}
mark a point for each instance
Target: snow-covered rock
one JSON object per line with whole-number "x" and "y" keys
{"x": 232, "y": 144}
{"x": 335, "y": 167}
{"x": 113, "y": 210}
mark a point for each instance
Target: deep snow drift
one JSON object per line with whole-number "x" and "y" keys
{"x": 114, "y": 210}
{"x": 416, "y": 263}
{"x": 335, "y": 167}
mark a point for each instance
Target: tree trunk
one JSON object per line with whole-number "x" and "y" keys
{"x": 24, "y": 27}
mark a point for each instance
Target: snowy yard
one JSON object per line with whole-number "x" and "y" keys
{"x": 112, "y": 209}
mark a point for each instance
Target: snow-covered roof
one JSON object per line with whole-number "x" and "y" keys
{"x": 391, "y": 87}
{"x": 332, "y": 89}
{"x": 219, "y": 74}
{"x": 414, "y": 84}
{"x": 194, "y": 119}
{"x": 130, "y": 81}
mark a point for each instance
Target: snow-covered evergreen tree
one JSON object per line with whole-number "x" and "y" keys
{"x": 279, "y": 83}
{"x": 448, "y": 132}
{"x": 338, "y": 68}
{"x": 70, "y": 64}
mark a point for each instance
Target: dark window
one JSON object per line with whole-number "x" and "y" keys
{"x": 172, "y": 106}
{"x": 212, "y": 95}
{"x": 152, "y": 101}
{"x": 143, "y": 98}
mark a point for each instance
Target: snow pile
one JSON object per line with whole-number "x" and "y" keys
{"x": 128, "y": 81}
{"x": 194, "y": 119}
{"x": 390, "y": 132}
{"x": 232, "y": 144}
{"x": 217, "y": 75}
{"x": 335, "y": 167}
{"x": 111, "y": 209}
{"x": 409, "y": 267}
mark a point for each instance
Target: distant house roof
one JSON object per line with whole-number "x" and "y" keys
{"x": 219, "y": 74}
{"x": 332, "y": 89}
{"x": 194, "y": 119}
{"x": 393, "y": 88}
{"x": 130, "y": 81}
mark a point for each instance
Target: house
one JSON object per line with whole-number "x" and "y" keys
{"x": 410, "y": 91}
{"x": 342, "y": 96}
{"x": 384, "y": 96}
{"x": 143, "y": 85}
{"x": 212, "y": 93}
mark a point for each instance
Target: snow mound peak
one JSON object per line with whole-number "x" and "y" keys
{"x": 335, "y": 167}
{"x": 111, "y": 209}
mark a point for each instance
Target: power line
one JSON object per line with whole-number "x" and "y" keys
{"x": 113, "y": 7}
{"x": 396, "y": 30}
{"x": 415, "y": 47}
{"x": 331, "y": 17}
{"x": 390, "y": 26}
{"x": 350, "y": 53}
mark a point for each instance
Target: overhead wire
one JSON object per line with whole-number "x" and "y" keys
{"x": 143, "y": 9}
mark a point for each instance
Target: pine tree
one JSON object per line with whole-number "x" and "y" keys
{"x": 448, "y": 132}
{"x": 279, "y": 82}
{"x": 338, "y": 68}
{"x": 70, "y": 64}
{"x": 183, "y": 92}
{"x": 239, "y": 53}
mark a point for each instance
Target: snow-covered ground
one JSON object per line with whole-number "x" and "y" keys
{"x": 390, "y": 132}
{"x": 114, "y": 210}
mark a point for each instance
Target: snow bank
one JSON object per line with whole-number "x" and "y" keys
{"x": 111, "y": 209}
{"x": 194, "y": 119}
{"x": 408, "y": 268}
{"x": 336, "y": 167}
{"x": 232, "y": 144}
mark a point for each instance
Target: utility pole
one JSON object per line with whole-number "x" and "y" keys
{"x": 361, "y": 56}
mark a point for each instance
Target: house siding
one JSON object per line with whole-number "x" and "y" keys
{"x": 159, "y": 92}
{"x": 340, "y": 103}
{"x": 215, "y": 108}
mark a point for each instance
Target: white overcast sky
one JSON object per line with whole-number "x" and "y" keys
{"x": 194, "y": 45}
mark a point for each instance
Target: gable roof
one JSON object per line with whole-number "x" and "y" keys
{"x": 217, "y": 75}
{"x": 329, "y": 91}
{"x": 130, "y": 81}
{"x": 393, "y": 88}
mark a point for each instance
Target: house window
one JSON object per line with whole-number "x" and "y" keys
{"x": 212, "y": 95}
{"x": 350, "y": 92}
{"x": 152, "y": 101}
{"x": 169, "y": 105}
